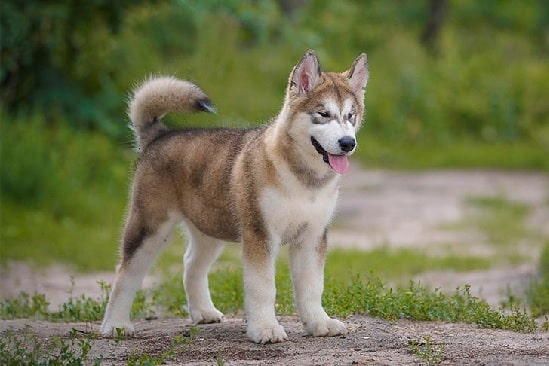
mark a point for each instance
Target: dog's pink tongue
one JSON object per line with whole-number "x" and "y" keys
{"x": 339, "y": 163}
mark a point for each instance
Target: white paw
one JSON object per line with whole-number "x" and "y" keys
{"x": 109, "y": 329}
{"x": 206, "y": 316}
{"x": 326, "y": 328}
{"x": 267, "y": 334}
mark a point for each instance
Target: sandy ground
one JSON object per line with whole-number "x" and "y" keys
{"x": 395, "y": 209}
{"x": 370, "y": 342}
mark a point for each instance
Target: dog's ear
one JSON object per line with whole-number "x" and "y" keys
{"x": 358, "y": 73}
{"x": 306, "y": 74}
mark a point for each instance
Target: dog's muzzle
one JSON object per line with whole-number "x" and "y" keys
{"x": 338, "y": 162}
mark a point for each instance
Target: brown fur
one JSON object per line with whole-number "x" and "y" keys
{"x": 176, "y": 173}
{"x": 214, "y": 178}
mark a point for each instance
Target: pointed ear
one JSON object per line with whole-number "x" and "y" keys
{"x": 306, "y": 74}
{"x": 358, "y": 73}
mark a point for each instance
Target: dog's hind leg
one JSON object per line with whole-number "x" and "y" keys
{"x": 202, "y": 251}
{"x": 141, "y": 244}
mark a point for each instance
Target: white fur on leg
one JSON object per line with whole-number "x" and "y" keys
{"x": 201, "y": 252}
{"x": 129, "y": 277}
{"x": 307, "y": 266}
{"x": 260, "y": 295}
{"x": 117, "y": 314}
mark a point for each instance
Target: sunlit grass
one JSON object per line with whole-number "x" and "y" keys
{"x": 502, "y": 221}
{"x": 455, "y": 154}
{"x": 499, "y": 224}
{"x": 538, "y": 291}
{"x": 63, "y": 195}
{"x": 365, "y": 294}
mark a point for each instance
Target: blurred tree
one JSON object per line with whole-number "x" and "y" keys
{"x": 289, "y": 7}
{"x": 436, "y": 15}
{"x": 41, "y": 42}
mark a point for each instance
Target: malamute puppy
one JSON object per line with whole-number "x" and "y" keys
{"x": 263, "y": 186}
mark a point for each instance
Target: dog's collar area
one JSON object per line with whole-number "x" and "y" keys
{"x": 320, "y": 150}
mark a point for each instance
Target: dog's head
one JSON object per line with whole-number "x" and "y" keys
{"x": 326, "y": 109}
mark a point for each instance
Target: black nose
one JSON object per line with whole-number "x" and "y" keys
{"x": 347, "y": 143}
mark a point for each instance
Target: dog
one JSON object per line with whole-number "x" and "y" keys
{"x": 264, "y": 186}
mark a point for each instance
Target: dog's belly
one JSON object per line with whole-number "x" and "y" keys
{"x": 296, "y": 217}
{"x": 213, "y": 217}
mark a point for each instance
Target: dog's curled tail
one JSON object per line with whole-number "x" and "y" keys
{"x": 160, "y": 95}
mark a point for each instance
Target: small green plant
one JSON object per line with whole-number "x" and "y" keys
{"x": 360, "y": 295}
{"x": 219, "y": 359}
{"x": 370, "y": 295}
{"x": 75, "y": 309}
{"x": 25, "y": 306}
{"x": 538, "y": 291}
{"x": 178, "y": 345}
{"x": 23, "y": 348}
{"x": 427, "y": 350}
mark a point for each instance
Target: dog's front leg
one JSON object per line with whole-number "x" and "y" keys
{"x": 259, "y": 256}
{"x": 307, "y": 265}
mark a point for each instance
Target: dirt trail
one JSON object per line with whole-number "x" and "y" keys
{"x": 370, "y": 342}
{"x": 411, "y": 210}
{"x": 396, "y": 209}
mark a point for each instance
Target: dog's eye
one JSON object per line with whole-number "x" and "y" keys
{"x": 350, "y": 116}
{"x": 324, "y": 114}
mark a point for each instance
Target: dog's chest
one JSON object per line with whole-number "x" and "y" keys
{"x": 291, "y": 215}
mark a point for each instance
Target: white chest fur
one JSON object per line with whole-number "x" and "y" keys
{"x": 294, "y": 212}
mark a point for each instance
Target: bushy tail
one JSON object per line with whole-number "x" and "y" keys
{"x": 158, "y": 96}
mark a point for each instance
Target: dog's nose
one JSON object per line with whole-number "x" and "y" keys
{"x": 347, "y": 143}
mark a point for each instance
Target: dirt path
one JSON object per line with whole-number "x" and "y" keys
{"x": 370, "y": 342}
{"x": 395, "y": 209}
{"x": 413, "y": 209}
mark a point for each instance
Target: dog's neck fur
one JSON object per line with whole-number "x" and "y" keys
{"x": 307, "y": 167}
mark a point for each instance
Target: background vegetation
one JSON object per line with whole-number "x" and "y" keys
{"x": 466, "y": 85}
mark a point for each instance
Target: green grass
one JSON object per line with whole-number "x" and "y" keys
{"x": 179, "y": 344}
{"x": 38, "y": 237}
{"x": 501, "y": 224}
{"x": 459, "y": 153}
{"x": 23, "y": 348}
{"x": 404, "y": 262}
{"x": 500, "y": 220}
{"x": 361, "y": 295}
{"x": 75, "y": 309}
{"x": 538, "y": 291}
{"x": 428, "y": 351}
{"x": 63, "y": 194}
{"x": 348, "y": 290}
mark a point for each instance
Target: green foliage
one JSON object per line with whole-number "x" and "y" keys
{"x": 75, "y": 309}
{"x": 50, "y": 166}
{"x": 369, "y": 295}
{"x": 179, "y": 344}
{"x": 18, "y": 349}
{"x": 57, "y": 64}
{"x": 428, "y": 351}
{"x": 67, "y": 186}
{"x": 480, "y": 103}
{"x": 359, "y": 295}
{"x": 24, "y": 306}
{"x": 488, "y": 83}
